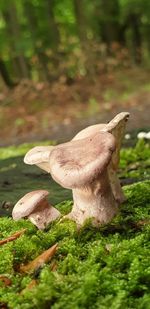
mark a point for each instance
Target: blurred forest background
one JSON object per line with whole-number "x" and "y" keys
{"x": 71, "y": 59}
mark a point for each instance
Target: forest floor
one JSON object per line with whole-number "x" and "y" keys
{"x": 38, "y": 111}
{"x": 108, "y": 266}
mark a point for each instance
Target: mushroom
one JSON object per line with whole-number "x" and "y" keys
{"x": 39, "y": 155}
{"x": 117, "y": 127}
{"x": 36, "y": 208}
{"x": 81, "y": 165}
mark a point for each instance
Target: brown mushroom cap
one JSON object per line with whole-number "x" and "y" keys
{"x": 78, "y": 163}
{"x": 28, "y": 203}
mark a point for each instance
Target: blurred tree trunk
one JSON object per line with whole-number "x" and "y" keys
{"x": 81, "y": 22}
{"x": 33, "y": 24}
{"x": 13, "y": 29}
{"x": 54, "y": 37}
{"x": 134, "y": 23}
{"x": 147, "y": 34}
{"x": 82, "y": 25}
{"x": 109, "y": 21}
{"x": 5, "y": 75}
{"x": 53, "y": 27}
{"x": 50, "y": 39}
{"x": 122, "y": 34}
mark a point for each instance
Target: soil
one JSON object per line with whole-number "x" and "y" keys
{"x": 37, "y": 111}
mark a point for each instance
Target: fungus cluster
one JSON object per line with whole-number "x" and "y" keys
{"x": 88, "y": 165}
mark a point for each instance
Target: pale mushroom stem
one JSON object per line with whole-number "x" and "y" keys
{"x": 117, "y": 127}
{"x": 95, "y": 202}
{"x": 116, "y": 186}
{"x": 43, "y": 215}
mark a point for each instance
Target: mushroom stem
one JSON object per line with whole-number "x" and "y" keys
{"x": 116, "y": 186}
{"x": 36, "y": 207}
{"x": 43, "y": 215}
{"x": 95, "y": 202}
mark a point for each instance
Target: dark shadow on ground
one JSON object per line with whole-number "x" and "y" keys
{"x": 17, "y": 179}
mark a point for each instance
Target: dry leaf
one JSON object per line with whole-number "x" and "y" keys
{"x": 3, "y": 305}
{"x": 5, "y": 280}
{"x": 31, "y": 285}
{"x": 54, "y": 266}
{"x": 40, "y": 260}
{"x": 143, "y": 222}
{"x": 108, "y": 247}
{"x": 12, "y": 237}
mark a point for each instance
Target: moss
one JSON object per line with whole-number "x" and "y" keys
{"x": 20, "y": 150}
{"x": 96, "y": 268}
{"x": 130, "y": 155}
{"x": 135, "y": 162}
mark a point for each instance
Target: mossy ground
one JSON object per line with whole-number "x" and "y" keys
{"x": 101, "y": 268}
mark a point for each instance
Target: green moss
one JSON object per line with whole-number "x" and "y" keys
{"x": 96, "y": 268}
{"x": 135, "y": 162}
{"x": 20, "y": 150}
{"x": 131, "y": 155}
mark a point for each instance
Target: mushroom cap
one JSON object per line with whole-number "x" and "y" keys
{"x": 78, "y": 163}
{"x": 118, "y": 120}
{"x": 28, "y": 203}
{"x": 91, "y": 130}
{"x": 39, "y": 156}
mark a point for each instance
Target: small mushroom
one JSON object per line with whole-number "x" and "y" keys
{"x": 36, "y": 208}
{"x": 81, "y": 165}
{"x": 117, "y": 127}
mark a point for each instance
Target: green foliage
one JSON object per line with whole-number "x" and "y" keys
{"x": 46, "y": 39}
{"x": 20, "y": 150}
{"x": 135, "y": 162}
{"x": 139, "y": 153}
{"x": 95, "y": 268}
{"x": 105, "y": 267}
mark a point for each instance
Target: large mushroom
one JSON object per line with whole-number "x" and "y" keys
{"x": 39, "y": 155}
{"x": 36, "y": 208}
{"x": 81, "y": 165}
{"x": 117, "y": 127}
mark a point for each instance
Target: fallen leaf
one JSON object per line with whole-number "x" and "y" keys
{"x": 108, "y": 247}
{"x": 12, "y": 237}
{"x": 143, "y": 222}
{"x": 40, "y": 260}
{"x": 3, "y": 305}
{"x": 5, "y": 280}
{"x": 31, "y": 285}
{"x": 54, "y": 266}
